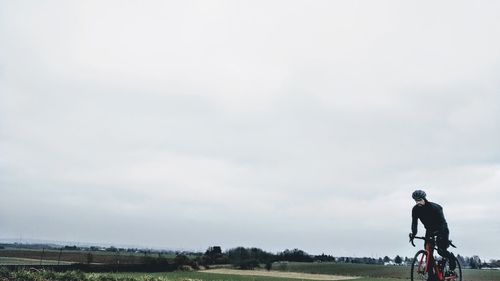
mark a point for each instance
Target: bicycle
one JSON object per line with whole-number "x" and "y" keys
{"x": 424, "y": 264}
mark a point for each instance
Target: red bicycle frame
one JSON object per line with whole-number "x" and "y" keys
{"x": 431, "y": 266}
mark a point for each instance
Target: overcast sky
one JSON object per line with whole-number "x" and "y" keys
{"x": 274, "y": 124}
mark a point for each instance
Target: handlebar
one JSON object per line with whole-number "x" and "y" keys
{"x": 413, "y": 237}
{"x": 426, "y": 239}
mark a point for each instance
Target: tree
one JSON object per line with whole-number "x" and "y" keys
{"x": 324, "y": 258}
{"x": 182, "y": 260}
{"x": 387, "y": 259}
{"x": 213, "y": 252}
{"x": 214, "y": 255}
{"x": 295, "y": 255}
{"x": 475, "y": 262}
{"x": 398, "y": 259}
{"x": 249, "y": 258}
{"x": 240, "y": 257}
{"x": 112, "y": 249}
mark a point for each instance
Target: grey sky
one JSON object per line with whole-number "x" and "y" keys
{"x": 275, "y": 124}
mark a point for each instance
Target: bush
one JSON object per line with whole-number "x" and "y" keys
{"x": 4, "y": 272}
{"x": 40, "y": 275}
{"x": 181, "y": 260}
{"x": 23, "y": 275}
{"x": 71, "y": 276}
{"x": 50, "y": 275}
{"x": 105, "y": 277}
{"x": 248, "y": 264}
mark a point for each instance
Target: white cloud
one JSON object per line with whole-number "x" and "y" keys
{"x": 255, "y": 124}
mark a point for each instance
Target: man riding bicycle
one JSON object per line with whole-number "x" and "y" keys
{"x": 432, "y": 217}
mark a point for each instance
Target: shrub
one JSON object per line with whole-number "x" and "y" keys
{"x": 4, "y": 272}
{"x": 71, "y": 276}
{"x": 105, "y": 277}
{"x": 49, "y": 275}
{"x": 23, "y": 275}
{"x": 181, "y": 260}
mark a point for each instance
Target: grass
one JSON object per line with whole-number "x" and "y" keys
{"x": 481, "y": 275}
{"x": 26, "y": 275}
{"x": 369, "y": 273}
{"x": 349, "y": 269}
{"x": 377, "y": 271}
{"x": 23, "y": 261}
{"x": 103, "y": 253}
{"x": 201, "y": 276}
{"x": 77, "y": 256}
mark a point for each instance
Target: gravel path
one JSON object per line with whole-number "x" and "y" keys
{"x": 297, "y": 275}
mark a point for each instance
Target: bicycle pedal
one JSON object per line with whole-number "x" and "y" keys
{"x": 450, "y": 273}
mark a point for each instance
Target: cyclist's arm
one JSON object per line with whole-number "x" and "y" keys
{"x": 414, "y": 222}
{"x": 440, "y": 215}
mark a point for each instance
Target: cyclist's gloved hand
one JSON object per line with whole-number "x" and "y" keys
{"x": 412, "y": 236}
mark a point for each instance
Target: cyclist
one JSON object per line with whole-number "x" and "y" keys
{"x": 432, "y": 217}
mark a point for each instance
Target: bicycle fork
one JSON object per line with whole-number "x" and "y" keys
{"x": 431, "y": 268}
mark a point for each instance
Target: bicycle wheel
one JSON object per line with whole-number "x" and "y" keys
{"x": 418, "y": 267}
{"x": 457, "y": 276}
{"x": 458, "y": 271}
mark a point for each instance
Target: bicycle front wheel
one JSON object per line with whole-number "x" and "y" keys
{"x": 457, "y": 273}
{"x": 419, "y": 267}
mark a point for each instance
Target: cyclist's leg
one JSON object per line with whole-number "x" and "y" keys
{"x": 442, "y": 244}
{"x": 430, "y": 270}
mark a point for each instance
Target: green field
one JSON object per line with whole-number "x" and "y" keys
{"x": 104, "y": 253}
{"x": 377, "y": 271}
{"x": 366, "y": 273}
{"x": 201, "y": 276}
{"x": 468, "y": 275}
{"x": 349, "y": 269}
{"x": 78, "y": 256}
{"x": 23, "y": 261}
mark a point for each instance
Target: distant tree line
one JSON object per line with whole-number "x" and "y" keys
{"x": 240, "y": 257}
{"x": 475, "y": 262}
{"x": 249, "y": 258}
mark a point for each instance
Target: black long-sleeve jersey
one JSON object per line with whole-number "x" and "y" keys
{"x": 431, "y": 215}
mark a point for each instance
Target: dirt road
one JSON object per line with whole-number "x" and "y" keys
{"x": 297, "y": 275}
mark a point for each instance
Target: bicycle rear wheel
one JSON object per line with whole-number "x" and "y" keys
{"x": 418, "y": 267}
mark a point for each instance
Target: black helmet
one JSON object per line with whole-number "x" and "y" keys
{"x": 418, "y": 194}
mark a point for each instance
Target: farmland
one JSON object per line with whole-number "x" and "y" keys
{"x": 281, "y": 271}
{"x": 375, "y": 274}
{"x": 27, "y": 256}
{"x": 11, "y": 261}
{"x": 170, "y": 276}
{"x": 242, "y": 276}
{"x": 377, "y": 271}
{"x": 357, "y": 272}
